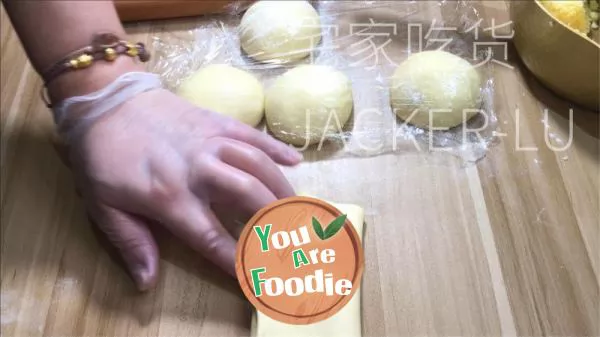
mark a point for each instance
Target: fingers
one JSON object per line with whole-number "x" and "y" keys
{"x": 229, "y": 184}
{"x": 196, "y": 225}
{"x": 278, "y": 151}
{"x": 134, "y": 241}
{"x": 255, "y": 162}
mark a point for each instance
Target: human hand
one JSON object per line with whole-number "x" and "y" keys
{"x": 158, "y": 158}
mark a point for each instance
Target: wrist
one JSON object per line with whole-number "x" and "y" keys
{"x": 76, "y": 114}
{"x": 85, "y": 81}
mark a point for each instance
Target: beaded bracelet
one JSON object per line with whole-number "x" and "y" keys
{"x": 105, "y": 46}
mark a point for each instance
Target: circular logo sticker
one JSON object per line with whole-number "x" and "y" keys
{"x": 299, "y": 260}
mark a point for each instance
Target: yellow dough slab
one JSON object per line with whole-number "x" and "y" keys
{"x": 346, "y": 323}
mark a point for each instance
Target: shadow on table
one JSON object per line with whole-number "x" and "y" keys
{"x": 584, "y": 119}
{"x": 190, "y": 288}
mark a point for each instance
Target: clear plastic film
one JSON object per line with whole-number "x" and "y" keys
{"x": 365, "y": 40}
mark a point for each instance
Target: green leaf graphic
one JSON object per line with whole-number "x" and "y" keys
{"x": 318, "y": 229}
{"x": 335, "y": 226}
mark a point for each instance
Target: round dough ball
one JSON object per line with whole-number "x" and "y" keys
{"x": 299, "y": 104}
{"x": 227, "y": 90}
{"x": 433, "y": 80}
{"x": 280, "y": 31}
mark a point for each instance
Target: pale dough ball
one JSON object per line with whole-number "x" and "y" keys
{"x": 435, "y": 80}
{"x": 299, "y": 103}
{"x": 227, "y": 90}
{"x": 280, "y": 31}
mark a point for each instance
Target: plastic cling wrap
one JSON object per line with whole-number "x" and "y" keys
{"x": 366, "y": 41}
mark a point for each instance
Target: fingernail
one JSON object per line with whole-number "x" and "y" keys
{"x": 294, "y": 155}
{"x": 142, "y": 278}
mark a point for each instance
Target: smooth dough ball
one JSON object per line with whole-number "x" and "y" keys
{"x": 432, "y": 80}
{"x": 230, "y": 91}
{"x": 300, "y": 102}
{"x": 280, "y": 31}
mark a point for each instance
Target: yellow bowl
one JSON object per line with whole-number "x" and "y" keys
{"x": 565, "y": 61}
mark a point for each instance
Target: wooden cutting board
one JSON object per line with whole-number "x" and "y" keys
{"x": 137, "y": 10}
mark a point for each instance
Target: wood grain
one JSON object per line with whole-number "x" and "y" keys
{"x": 136, "y": 10}
{"x": 509, "y": 246}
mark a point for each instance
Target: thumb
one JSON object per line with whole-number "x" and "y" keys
{"x": 134, "y": 241}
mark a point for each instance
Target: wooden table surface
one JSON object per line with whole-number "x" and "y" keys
{"x": 507, "y": 246}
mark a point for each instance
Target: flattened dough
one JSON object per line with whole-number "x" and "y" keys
{"x": 346, "y": 323}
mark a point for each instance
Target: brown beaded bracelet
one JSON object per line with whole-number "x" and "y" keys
{"x": 105, "y": 46}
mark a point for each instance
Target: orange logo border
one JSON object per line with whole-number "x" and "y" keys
{"x": 245, "y": 282}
